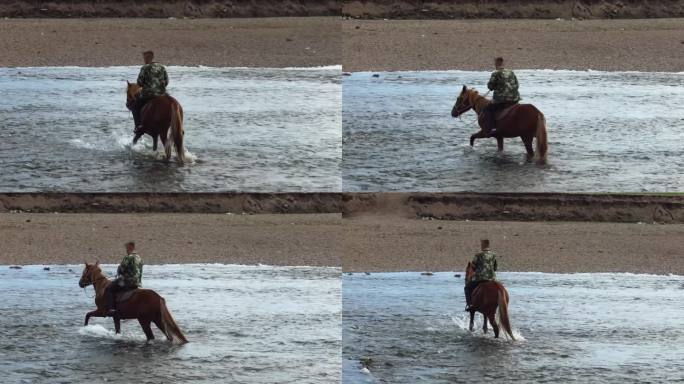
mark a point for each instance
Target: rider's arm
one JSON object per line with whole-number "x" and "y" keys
{"x": 493, "y": 81}
{"x": 141, "y": 76}
{"x": 515, "y": 81}
{"x": 166, "y": 79}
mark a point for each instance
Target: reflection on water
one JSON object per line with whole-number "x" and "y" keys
{"x": 250, "y": 324}
{"x": 588, "y": 328}
{"x": 249, "y": 129}
{"x": 608, "y": 131}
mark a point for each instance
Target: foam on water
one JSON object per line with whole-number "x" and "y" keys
{"x": 250, "y": 324}
{"x": 607, "y": 131}
{"x": 586, "y": 328}
{"x": 246, "y": 129}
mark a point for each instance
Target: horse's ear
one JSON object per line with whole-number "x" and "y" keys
{"x": 127, "y": 82}
{"x": 464, "y": 88}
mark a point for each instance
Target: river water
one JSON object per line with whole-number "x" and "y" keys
{"x": 607, "y": 131}
{"x": 584, "y": 328}
{"x": 246, "y": 129}
{"x": 248, "y": 324}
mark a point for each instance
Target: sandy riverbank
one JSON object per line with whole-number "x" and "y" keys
{"x": 612, "y": 45}
{"x": 391, "y": 243}
{"x": 260, "y": 42}
{"x": 48, "y": 238}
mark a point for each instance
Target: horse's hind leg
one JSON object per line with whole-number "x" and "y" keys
{"x": 154, "y": 142}
{"x": 145, "y": 324}
{"x": 472, "y": 321}
{"x": 495, "y": 326}
{"x": 484, "y": 325}
{"x": 160, "y": 325}
{"x": 499, "y": 143}
{"x": 527, "y": 140}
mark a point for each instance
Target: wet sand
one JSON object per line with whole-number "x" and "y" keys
{"x": 50, "y": 238}
{"x": 256, "y": 42}
{"x": 392, "y": 243}
{"x": 611, "y": 45}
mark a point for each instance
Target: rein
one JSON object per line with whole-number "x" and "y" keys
{"x": 477, "y": 118}
{"x": 92, "y": 282}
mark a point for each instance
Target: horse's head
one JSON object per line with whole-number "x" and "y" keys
{"x": 463, "y": 103}
{"x": 469, "y": 272}
{"x": 87, "y": 275}
{"x": 132, "y": 91}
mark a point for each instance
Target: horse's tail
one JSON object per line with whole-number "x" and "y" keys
{"x": 542, "y": 145}
{"x": 171, "y": 329}
{"x": 176, "y": 132}
{"x": 503, "y": 312}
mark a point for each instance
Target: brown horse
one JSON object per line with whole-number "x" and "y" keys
{"x": 487, "y": 296}
{"x": 161, "y": 117}
{"x": 523, "y": 120}
{"x": 143, "y": 304}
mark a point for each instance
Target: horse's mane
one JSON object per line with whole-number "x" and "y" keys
{"x": 133, "y": 89}
{"x": 475, "y": 99}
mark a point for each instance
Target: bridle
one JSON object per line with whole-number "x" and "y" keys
{"x": 461, "y": 112}
{"x": 92, "y": 282}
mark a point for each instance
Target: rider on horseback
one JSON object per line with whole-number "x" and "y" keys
{"x": 129, "y": 276}
{"x": 153, "y": 79}
{"x": 505, "y": 86}
{"x": 485, "y": 270}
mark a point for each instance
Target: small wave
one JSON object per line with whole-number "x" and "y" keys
{"x": 100, "y": 332}
{"x": 463, "y": 322}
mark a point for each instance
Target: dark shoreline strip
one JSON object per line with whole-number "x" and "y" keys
{"x": 623, "y": 208}
{"x": 169, "y": 8}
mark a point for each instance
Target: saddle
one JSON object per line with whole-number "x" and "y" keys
{"x": 504, "y": 112}
{"x": 120, "y": 297}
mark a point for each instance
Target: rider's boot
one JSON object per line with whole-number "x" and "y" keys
{"x": 491, "y": 124}
{"x": 136, "y": 117}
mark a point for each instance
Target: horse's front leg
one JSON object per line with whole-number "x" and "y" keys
{"x": 484, "y": 325}
{"x": 137, "y": 137}
{"x": 154, "y": 142}
{"x": 96, "y": 313}
{"x": 117, "y": 324}
{"x": 499, "y": 143}
{"x": 472, "y": 321}
{"x": 478, "y": 135}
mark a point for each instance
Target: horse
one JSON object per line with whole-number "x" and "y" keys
{"x": 161, "y": 117}
{"x": 521, "y": 120}
{"x": 145, "y": 305}
{"x": 487, "y": 296}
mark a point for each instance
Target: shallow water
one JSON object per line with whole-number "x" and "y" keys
{"x": 246, "y": 129}
{"x": 608, "y": 131}
{"x": 587, "y": 328}
{"x": 248, "y": 324}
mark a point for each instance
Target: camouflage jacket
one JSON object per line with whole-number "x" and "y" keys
{"x": 130, "y": 270}
{"x": 505, "y": 86}
{"x": 485, "y": 265}
{"x": 154, "y": 79}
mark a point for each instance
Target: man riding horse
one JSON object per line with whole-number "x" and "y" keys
{"x": 485, "y": 270}
{"x": 153, "y": 79}
{"x": 505, "y": 86}
{"x": 129, "y": 276}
